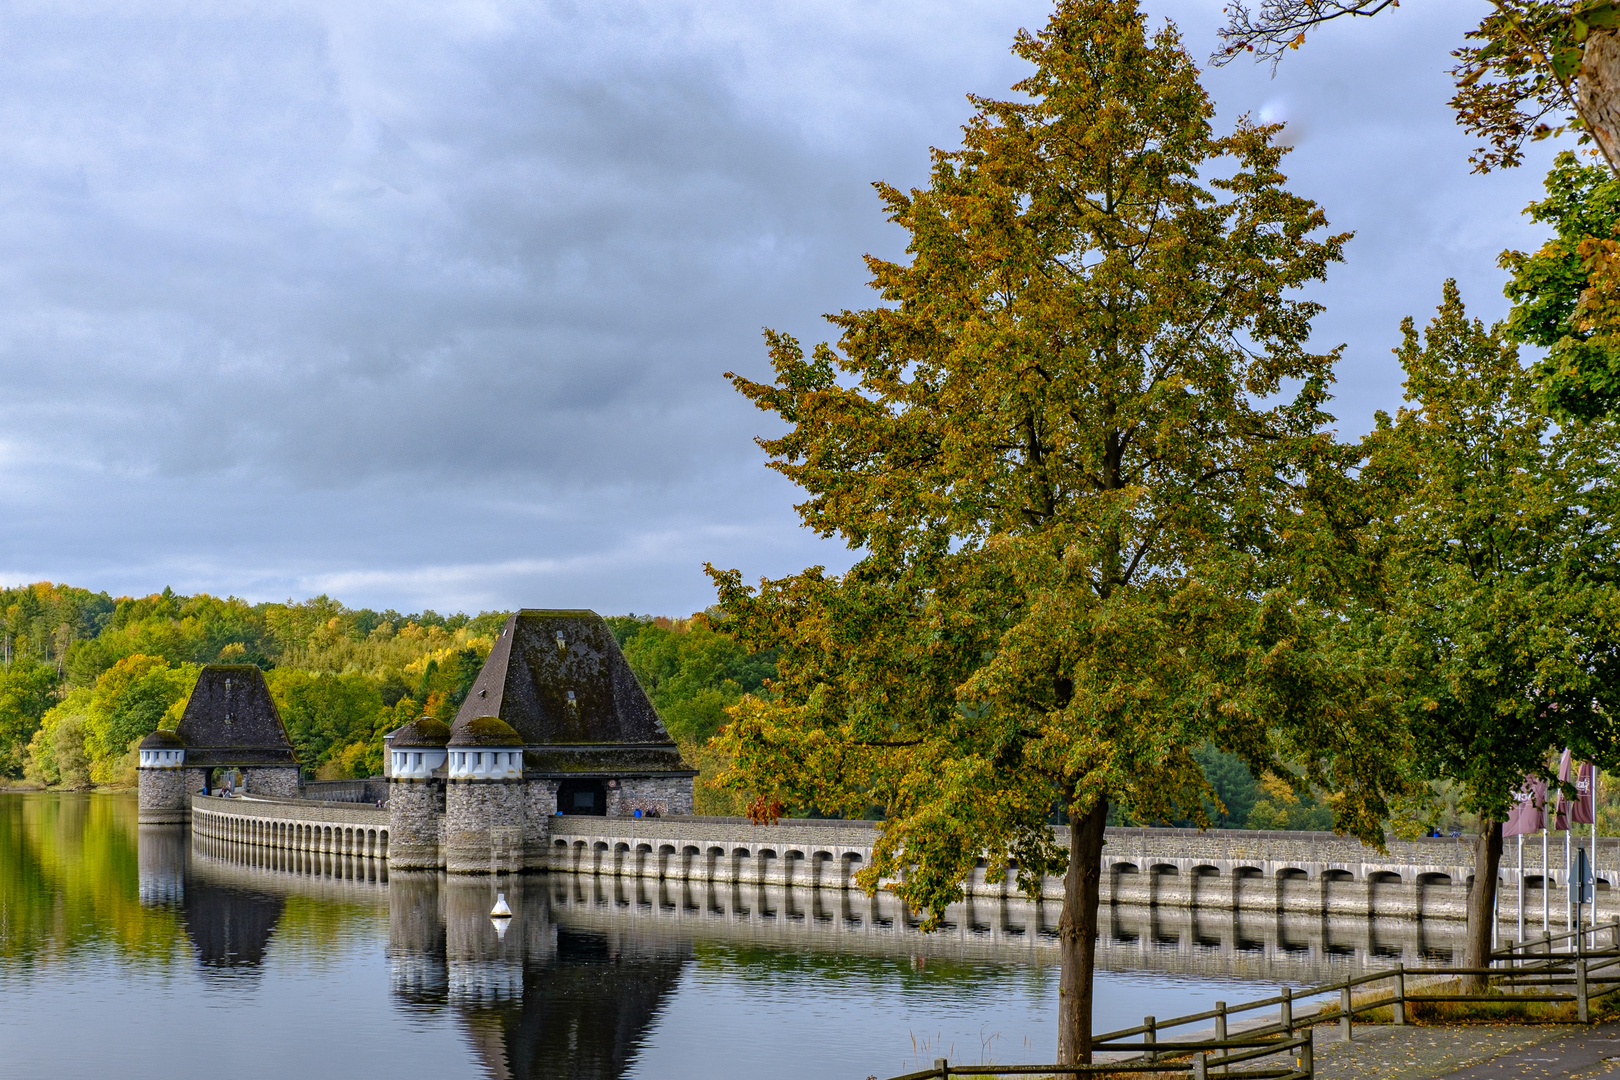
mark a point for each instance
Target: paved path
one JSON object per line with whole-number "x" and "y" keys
{"x": 1470, "y": 1052}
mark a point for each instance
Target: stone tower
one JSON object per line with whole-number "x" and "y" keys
{"x": 230, "y": 722}
{"x": 593, "y": 741}
{"x": 555, "y": 723}
{"x": 416, "y": 768}
{"x": 164, "y": 799}
{"x": 483, "y": 799}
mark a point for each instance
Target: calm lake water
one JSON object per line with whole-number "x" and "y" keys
{"x": 131, "y": 953}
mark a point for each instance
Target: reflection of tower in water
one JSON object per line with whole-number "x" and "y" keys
{"x": 416, "y": 960}
{"x": 485, "y": 957}
{"x": 162, "y": 861}
{"x": 534, "y": 1001}
{"x": 229, "y": 927}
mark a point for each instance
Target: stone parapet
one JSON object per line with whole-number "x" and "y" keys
{"x": 665, "y": 794}
{"x": 292, "y": 824}
{"x": 273, "y": 782}
{"x": 263, "y": 807}
{"x": 1183, "y": 868}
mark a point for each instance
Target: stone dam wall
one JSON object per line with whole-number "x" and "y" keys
{"x": 1229, "y": 870}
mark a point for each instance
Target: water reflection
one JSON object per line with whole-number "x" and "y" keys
{"x": 229, "y": 927}
{"x": 536, "y": 999}
{"x": 594, "y": 977}
{"x": 1223, "y": 944}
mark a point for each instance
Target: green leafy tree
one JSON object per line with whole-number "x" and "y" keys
{"x": 1080, "y": 447}
{"x": 131, "y": 699}
{"x": 43, "y": 622}
{"x": 1500, "y": 568}
{"x": 1233, "y": 784}
{"x": 56, "y": 753}
{"x": 1534, "y": 68}
{"x": 692, "y": 673}
{"x": 27, "y": 690}
{"x": 325, "y": 713}
{"x": 1564, "y": 294}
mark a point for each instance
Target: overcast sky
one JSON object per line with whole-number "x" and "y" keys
{"x": 429, "y": 306}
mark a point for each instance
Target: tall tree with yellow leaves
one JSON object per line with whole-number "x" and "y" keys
{"x": 1081, "y": 448}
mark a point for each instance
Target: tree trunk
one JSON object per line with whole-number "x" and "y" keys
{"x": 1597, "y": 93}
{"x": 1482, "y": 903}
{"x": 1077, "y": 934}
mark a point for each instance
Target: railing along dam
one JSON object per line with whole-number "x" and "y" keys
{"x": 1219, "y": 869}
{"x": 306, "y": 825}
{"x": 1231, "y": 870}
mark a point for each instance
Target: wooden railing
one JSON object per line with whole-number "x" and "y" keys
{"x": 1530, "y": 971}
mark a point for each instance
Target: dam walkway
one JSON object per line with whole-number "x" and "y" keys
{"x": 1219, "y": 869}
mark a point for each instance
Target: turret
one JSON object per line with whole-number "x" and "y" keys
{"x": 417, "y": 750}
{"x": 161, "y": 779}
{"x": 485, "y": 748}
{"x": 416, "y": 757}
{"x": 484, "y": 799}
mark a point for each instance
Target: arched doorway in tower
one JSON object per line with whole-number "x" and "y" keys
{"x": 582, "y": 797}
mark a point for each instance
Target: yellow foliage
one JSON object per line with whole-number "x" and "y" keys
{"x": 1277, "y": 789}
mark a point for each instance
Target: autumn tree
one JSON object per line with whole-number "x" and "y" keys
{"x": 1566, "y": 294}
{"x": 1080, "y": 448}
{"x": 1530, "y": 69}
{"x": 1497, "y": 545}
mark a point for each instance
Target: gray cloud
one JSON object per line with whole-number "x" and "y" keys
{"x": 429, "y": 305}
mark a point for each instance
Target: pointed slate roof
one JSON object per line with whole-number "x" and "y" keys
{"x": 559, "y": 679}
{"x": 232, "y": 720}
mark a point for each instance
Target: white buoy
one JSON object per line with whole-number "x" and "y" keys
{"x": 500, "y": 910}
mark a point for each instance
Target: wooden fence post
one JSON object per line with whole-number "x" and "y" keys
{"x": 942, "y": 1067}
{"x": 1400, "y": 994}
{"x": 1582, "y": 1013}
{"x": 1287, "y": 1008}
{"x": 1307, "y": 1055}
{"x": 1200, "y": 1071}
{"x": 1151, "y": 1037}
{"x": 1220, "y": 1030}
{"x": 1344, "y": 1015}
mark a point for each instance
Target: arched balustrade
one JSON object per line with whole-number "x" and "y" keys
{"x": 279, "y": 825}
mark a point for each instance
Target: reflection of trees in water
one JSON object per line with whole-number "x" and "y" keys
{"x": 69, "y": 880}
{"x": 77, "y": 871}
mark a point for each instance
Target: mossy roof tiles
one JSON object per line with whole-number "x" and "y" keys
{"x": 231, "y": 720}
{"x": 559, "y": 679}
{"x": 483, "y": 731}
{"x": 423, "y": 731}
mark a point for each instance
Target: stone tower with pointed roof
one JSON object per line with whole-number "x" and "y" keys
{"x": 230, "y": 722}
{"x": 555, "y": 723}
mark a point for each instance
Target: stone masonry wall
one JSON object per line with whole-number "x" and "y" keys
{"x": 539, "y": 806}
{"x": 666, "y": 794}
{"x": 196, "y": 780}
{"x": 413, "y": 817}
{"x": 162, "y": 795}
{"x": 483, "y": 826}
{"x": 275, "y": 783}
{"x": 282, "y": 810}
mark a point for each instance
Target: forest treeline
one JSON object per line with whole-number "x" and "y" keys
{"x": 85, "y": 676}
